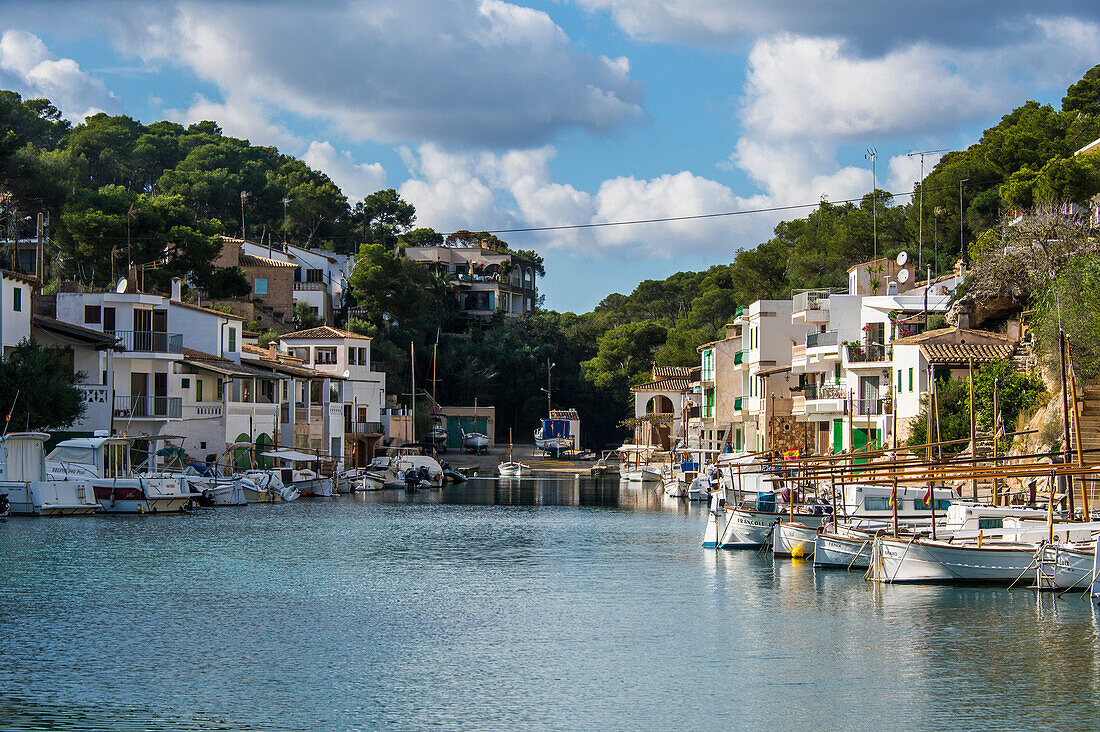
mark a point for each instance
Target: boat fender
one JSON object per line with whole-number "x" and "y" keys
{"x": 797, "y": 552}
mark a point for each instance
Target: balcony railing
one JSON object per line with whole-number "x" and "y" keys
{"x": 815, "y": 391}
{"x": 363, "y": 428}
{"x": 811, "y": 300}
{"x": 866, "y": 353}
{"x": 309, "y": 286}
{"x": 146, "y": 407}
{"x": 150, "y": 341}
{"x": 870, "y": 407}
{"x": 817, "y": 340}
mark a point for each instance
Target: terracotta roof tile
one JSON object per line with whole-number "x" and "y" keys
{"x": 325, "y": 331}
{"x": 964, "y": 352}
{"x": 664, "y": 385}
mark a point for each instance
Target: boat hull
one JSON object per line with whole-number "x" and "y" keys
{"x": 640, "y": 475}
{"x": 916, "y": 560}
{"x": 833, "y": 550}
{"x": 794, "y": 540}
{"x": 50, "y": 498}
{"x": 1066, "y": 568}
{"x": 142, "y": 495}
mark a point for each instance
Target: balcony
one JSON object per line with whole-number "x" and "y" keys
{"x": 363, "y": 428}
{"x": 309, "y": 287}
{"x": 150, "y": 341}
{"x": 148, "y": 407}
{"x": 811, "y": 300}
{"x": 866, "y": 353}
{"x": 814, "y": 392}
{"x": 820, "y": 340}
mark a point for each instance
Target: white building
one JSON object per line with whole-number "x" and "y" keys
{"x": 15, "y": 309}
{"x": 345, "y": 354}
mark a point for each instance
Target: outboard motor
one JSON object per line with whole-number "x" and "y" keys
{"x": 423, "y": 474}
{"x": 5, "y": 506}
{"x": 409, "y": 477}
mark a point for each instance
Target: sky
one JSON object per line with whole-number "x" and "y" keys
{"x": 491, "y": 115}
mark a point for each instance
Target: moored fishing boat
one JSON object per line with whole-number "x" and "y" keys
{"x": 918, "y": 559}
{"x": 1066, "y": 566}
{"x": 844, "y": 546}
{"x": 105, "y": 462}
{"x": 307, "y": 481}
{"x": 25, "y": 487}
{"x": 795, "y": 540}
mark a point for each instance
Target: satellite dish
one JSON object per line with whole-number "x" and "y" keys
{"x": 903, "y": 275}
{"x": 903, "y": 257}
{"x": 347, "y": 373}
{"x": 121, "y": 286}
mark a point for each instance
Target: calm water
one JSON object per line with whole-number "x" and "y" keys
{"x": 534, "y": 604}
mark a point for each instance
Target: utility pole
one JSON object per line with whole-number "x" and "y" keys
{"x": 39, "y": 265}
{"x": 962, "y": 247}
{"x": 285, "y": 202}
{"x": 548, "y": 367}
{"x": 244, "y": 195}
{"x": 872, "y": 155}
{"x": 920, "y": 215}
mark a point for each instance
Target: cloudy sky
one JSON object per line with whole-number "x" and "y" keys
{"x": 489, "y": 115}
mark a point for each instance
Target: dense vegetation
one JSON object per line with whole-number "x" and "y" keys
{"x": 119, "y": 191}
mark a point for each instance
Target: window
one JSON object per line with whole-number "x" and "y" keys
{"x": 91, "y": 314}
{"x": 529, "y": 275}
{"x": 198, "y": 390}
{"x": 17, "y": 299}
{"x": 232, "y": 339}
{"x": 836, "y": 374}
{"x": 363, "y": 360}
{"x": 899, "y": 381}
{"x": 991, "y": 523}
{"x": 185, "y": 383}
{"x": 351, "y": 356}
{"x": 314, "y": 275}
{"x": 221, "y": 389}
{"x": 259, "y": 286}
{"x": 910, "y": 380}
{"x": 878, "y": 503}
{"x": 324, "y": 355}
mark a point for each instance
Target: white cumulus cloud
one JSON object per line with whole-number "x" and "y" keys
{"x": 28, "y": 67}
{"x": 356, "y": 180}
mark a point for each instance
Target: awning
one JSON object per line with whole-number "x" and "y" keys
{"x": 288, "y": 454}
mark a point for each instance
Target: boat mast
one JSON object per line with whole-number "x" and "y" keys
{"x": 412, "y": 373}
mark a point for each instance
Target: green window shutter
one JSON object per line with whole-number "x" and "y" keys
{"x": 899, "y": 381}
{"x": 232, "y": 339}
{"x": 910, "y": 380}
{"x": 17, "y": 299}
{"x": 198, "y": 390}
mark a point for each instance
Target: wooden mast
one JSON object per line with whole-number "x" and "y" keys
{"x": 1065, "y": 408}
{"x": 1077, "y": 443}
{"x": 973, "y": 438}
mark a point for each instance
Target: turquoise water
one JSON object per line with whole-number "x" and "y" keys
{"x": 529, "y": 604}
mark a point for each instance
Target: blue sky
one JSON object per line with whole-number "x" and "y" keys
{"x": 495, "y": 115}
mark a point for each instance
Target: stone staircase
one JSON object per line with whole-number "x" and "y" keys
{"x": 1088, "y": 399}
{"x": 1022, "y": 358}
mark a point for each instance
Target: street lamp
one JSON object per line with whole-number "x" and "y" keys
{"x": 549, "y": 366}
{"x": 872, "y": 155}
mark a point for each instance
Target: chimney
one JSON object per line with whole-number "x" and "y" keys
{"x": 177, "y": 287}
{"x": 271, "y": 351}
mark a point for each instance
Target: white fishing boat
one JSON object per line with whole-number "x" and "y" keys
{"x": 265, "y": 486}
{"x": 795, "y": 540}
{"x": 105, "y": 461}
{"x": 307, "y": 481}
{"x": 26, "y": 487}
{"x": 1066, "y": 566}
{"x": 474, "y": 442}
{"x": 359, "y": 479}
{"x": 512, "y": 469}
{"x": 640, "y": 474}
{"x": 844, "y": 546}
{"x": 918, "y": 559}
{"x": 215, "y": 490}
{"x": 699, "y": 489}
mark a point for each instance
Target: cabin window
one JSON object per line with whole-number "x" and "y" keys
{"x": 17, "y": 299}
{"x": 91, "y": 314}
{"x": 259, "y": 286}
{"x": 991, "y": 523}
{"x": 876, "y": 503}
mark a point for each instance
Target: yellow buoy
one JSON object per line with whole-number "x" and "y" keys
{"x": 797, "y": 552}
